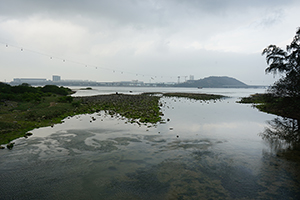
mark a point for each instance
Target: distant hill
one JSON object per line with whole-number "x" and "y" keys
{"x": 214, "y": 82}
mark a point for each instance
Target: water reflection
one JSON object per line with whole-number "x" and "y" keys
{"x": 282, "y": 134}
{"x": 281, "y": 162}
{"x": 218, "y": 155}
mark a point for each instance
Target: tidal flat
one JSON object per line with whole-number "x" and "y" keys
{"x": 17, "y": 118}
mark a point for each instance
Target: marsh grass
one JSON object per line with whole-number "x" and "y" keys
{"x": 196, "y": 96}
{"x": 17, "y": 118}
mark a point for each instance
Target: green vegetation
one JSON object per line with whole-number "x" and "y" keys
{"x": 144, "y": 108}
{"x": 26, "y": 93}
{"x": 195, "y": 96}
{"x": 87, "y": 88}
{"x": 23, "y": 108}
{"x": 284, "y": 96}
{"x": 18, "y": 114}
{"x": 281, "y": 106}
{"x": 287, "y": 63}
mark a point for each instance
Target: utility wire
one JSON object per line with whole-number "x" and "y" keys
{"x": 7, "y": 45}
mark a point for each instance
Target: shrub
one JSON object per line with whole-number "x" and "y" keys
{"x": 56, "y": 90}
{"x": 65, "y": 99}
{"x": 76, "y": 103}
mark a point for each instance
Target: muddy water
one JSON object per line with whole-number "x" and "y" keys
{"x": 204, "y": 150}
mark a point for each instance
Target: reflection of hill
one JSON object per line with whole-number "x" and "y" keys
{"x": 215, "y": 82}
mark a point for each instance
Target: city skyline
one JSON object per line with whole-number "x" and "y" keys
{"x": 58, "y": 78}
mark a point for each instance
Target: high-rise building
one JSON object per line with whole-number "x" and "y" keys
{"x": 192, "y": 77}
{"x": 55, "y": 78}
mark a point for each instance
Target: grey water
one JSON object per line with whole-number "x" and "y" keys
{"x": 203, "y": 150}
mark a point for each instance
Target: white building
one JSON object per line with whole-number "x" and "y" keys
{"x": 56, "y": 78}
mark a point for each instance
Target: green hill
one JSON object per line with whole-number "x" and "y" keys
{"x": 214, "y": 82}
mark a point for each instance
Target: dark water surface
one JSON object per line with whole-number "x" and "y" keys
{"x": 207, "y": 150}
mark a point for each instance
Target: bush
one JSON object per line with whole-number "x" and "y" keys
{"x": 21, "y": 89}
{"x": 65, "y": 99}
{"x": 56, "y": 90}
{"x": 76, "y": 103}
{"x": 31, "y": 97}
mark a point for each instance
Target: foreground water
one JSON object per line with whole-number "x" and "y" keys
{"x": 204, "y": 150}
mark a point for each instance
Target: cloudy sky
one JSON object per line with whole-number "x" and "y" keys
{"x": 146, "y": 40}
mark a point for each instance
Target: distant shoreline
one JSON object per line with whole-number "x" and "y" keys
{"x": 117, "y": 84}
{"x": 208, "y": 82}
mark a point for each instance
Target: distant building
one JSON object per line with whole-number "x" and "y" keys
{"x": 56, "y": 78}
{"x": 29, "y": 80}
{"x": 192, "y": 77}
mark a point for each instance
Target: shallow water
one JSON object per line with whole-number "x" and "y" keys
{"x": 204, "y": 150}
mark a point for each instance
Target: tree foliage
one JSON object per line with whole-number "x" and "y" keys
{"x": 25, "y": 92}
{"x": 287, "y": 63}
{"x": 55, "y": 90}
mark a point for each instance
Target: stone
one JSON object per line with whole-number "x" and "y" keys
{"x": 10, "y": 145}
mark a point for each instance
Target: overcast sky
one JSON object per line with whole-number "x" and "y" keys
{"x": 146, "y": 40}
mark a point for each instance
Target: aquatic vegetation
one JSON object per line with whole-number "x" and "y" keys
{"x": 144, "y": 108}
{"x": 196, "y": 96}
{"x": 281, "y": 106}
{"x": 17, "y": 118}
{"x": 254, "y": 98}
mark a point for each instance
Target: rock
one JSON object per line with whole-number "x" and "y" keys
{"x": 28, "y": 134}
{"x": 1, "y": 147}
{"x": 10, "y": 145}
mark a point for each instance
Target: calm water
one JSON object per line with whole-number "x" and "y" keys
{"x": 206, "y": 150}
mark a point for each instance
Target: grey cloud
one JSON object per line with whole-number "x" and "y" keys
{"x": 176, "y": 37}
{"x": 168, "y": 16}
{"x": 131, "y": 10}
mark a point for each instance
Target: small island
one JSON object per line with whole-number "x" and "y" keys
{"x": 87, "y": 88}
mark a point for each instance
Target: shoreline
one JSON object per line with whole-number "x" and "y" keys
{"x": 20, "y": 118}
{"x": 285, "y": 107}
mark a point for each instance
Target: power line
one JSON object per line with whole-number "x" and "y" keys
{"x": 51, "y": 57}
